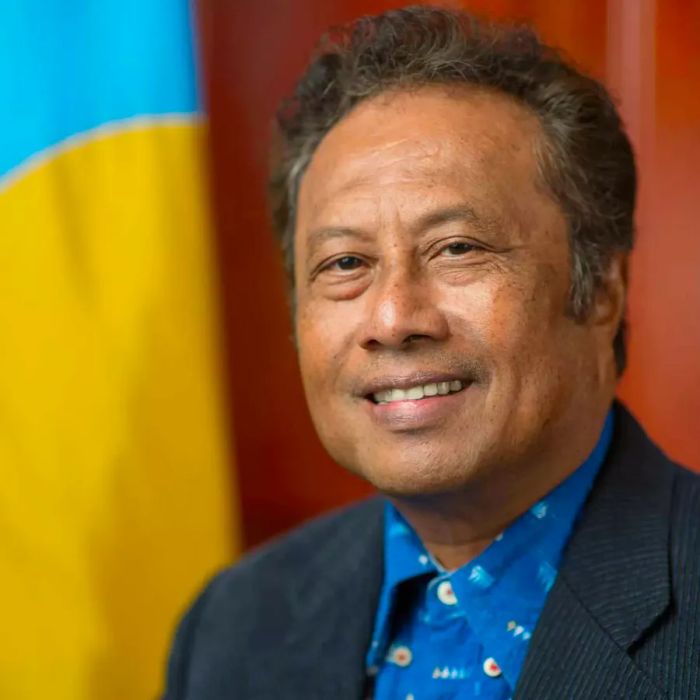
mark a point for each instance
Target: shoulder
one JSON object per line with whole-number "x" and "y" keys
{"x": 641, "y": 465}
{"x": 652, "y": 470}
{"x": 678, "y": 488}
{"x": 685, "y": 510}
{"x": 687, "y": 484}
{"x": 287, "y": 561}
{"x": 254, "y": 603}
{"x": 314, "y": 544}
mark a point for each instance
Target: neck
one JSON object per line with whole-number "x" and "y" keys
{"x": 455, "y": 527}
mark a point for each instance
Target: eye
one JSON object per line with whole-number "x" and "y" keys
{"x": 347, "y": 263}
{"x": 459, "y": 248}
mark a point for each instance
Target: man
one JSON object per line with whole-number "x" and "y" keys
{"x": 455, "y": 204}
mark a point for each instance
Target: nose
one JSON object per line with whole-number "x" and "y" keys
{"x": 402, "y": 309}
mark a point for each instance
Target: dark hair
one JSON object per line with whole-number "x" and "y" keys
{"x": 585, "y": 158}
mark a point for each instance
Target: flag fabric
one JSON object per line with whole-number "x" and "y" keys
{"x": 115, "y": 488}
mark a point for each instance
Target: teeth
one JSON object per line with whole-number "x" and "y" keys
{"x": 417, "y": 392}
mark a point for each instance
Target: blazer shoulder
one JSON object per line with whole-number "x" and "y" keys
{"x": 685, "y": 478}
{"x": 290, "y": 561}
{"x": 245, "y": 606}
{"x": 685, "y": 506}
{"x": 309, "y": 543}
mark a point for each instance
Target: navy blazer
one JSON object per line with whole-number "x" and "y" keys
{"x": 294, "y": 619}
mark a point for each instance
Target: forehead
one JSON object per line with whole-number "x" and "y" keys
{"x": 428, "y": 142}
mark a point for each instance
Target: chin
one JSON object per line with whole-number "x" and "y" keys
{"x": 415, "y": 480}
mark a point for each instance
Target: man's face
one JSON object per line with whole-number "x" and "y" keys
{"x": 432, "y": 279}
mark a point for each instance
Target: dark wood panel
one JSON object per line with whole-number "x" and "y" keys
{"x": 663, "y": 382}
{"x": 253, "y": 52}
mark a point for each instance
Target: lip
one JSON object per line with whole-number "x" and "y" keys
{"x": 418, "y": 414}
{"x": 406, "y": 381}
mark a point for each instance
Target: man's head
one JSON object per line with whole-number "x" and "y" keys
{"x": 455, "y": 204}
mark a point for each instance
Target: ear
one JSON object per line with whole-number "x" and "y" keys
{"x": 611, "y": 296}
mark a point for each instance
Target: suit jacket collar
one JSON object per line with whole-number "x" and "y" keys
{"x": 612, "y": 585}
{"x": 618, "y": 561}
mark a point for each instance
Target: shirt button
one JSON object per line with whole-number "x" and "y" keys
{"x": 401, "y": 656}
{"x": 491, "y": 668}
{"x": 445, "y": 593}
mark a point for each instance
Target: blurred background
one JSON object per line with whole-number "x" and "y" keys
{"x": 152, "y": 423}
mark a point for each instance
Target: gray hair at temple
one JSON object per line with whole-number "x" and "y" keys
{"x": 585, "y": 158}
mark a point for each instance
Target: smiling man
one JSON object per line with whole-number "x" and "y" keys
{"x": 455, "y": 204}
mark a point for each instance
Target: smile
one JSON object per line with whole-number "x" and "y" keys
{"x": 419, "y": 404}
{"x": 417, "y": 392}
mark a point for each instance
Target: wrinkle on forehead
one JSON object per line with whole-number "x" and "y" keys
{"x": 426, "y": 141}
{"x": 402, "y": 161}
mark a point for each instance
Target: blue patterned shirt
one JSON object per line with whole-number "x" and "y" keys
{"x": 464, "y": 634}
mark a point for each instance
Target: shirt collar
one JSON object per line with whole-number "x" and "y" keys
{"x": 501, "y": 577}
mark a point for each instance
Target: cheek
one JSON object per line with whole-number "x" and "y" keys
{"x": 311, "y": 359}
{"x": 493, "y": 314}
{"x": 322, "y": 341}
{"x": 515, "y": 322}
{"x": 541, "y": 351}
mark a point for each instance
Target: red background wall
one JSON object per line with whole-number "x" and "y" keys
{"x": 253, "y": 50}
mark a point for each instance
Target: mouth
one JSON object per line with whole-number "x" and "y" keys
{"x": 418, "y": 402}
{"x": 417, "y": 392}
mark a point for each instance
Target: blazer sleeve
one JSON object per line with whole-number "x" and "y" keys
{"x": 178, "y": 671}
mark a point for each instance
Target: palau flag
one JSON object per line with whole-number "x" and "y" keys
{"x": 115, "y": 488}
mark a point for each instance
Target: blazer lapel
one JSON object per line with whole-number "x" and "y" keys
{"x": 332, "y": 615}
{"x": 613, "y": 583}
{"x": 572, "y": 657}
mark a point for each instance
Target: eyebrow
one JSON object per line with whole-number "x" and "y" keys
{"x": 448, "y": 215}
{"x": 431, "y": 219}
{"x": 463, "y": 213}
{"x": 320, "y": 235}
